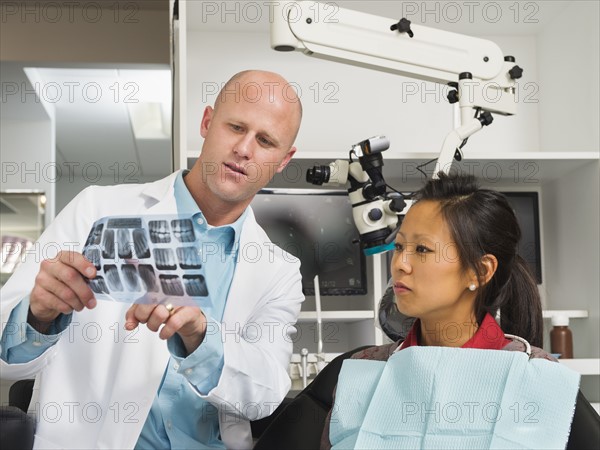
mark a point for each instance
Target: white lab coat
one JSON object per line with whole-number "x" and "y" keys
{"x": 95, "y": 387}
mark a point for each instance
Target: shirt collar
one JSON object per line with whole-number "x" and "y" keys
{"x": 488, "y": 336}
{"x": 187, "y": 204}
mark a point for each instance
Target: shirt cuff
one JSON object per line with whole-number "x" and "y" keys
{"x": 203, "y": 367}
{"x": 21, "y": 343}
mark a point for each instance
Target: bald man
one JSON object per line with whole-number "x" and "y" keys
{"x": 115, "y": 375}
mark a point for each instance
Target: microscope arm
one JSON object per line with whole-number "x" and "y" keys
{"x": 325, "y": 31}
{"x": 366, "y": 40}
{"x": 452, "y": 143}
{"x": 485, "y": 79}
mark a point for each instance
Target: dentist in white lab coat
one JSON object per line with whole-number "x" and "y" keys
{"x": 103, "y": 362}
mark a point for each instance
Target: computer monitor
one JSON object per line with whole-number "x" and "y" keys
{"x": 316, "y": 225}
{"x": 527, "y": 210}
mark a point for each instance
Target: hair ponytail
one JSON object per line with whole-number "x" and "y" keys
{"x": 519, "y": 303}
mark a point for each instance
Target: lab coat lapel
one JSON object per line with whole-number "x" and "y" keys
{"x": 160, "y": 196}
{"x": 251, "y": 276}
{"x": 246, "y": 291}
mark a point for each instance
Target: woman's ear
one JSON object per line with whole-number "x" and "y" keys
{"x": 489, "y": 264}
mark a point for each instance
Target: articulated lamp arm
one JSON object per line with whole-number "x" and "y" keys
{"x": 483, "y": 77}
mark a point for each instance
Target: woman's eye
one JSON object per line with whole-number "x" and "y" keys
{"x": 398, "y": 247}
{"x": 422, "y": 249}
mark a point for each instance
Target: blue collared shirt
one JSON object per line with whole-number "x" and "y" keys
{"x": 178, "y": 418}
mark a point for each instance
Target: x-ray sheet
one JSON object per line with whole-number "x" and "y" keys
{"x": 146, "y": 259}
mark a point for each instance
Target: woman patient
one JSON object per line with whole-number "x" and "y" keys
{"x": 454, "y": 268}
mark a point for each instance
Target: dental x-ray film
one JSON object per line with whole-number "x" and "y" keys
{"x": 146, "y": 259}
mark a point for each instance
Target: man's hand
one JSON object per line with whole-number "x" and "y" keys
{"x": 187, "y": 321}
{"x": 60, "y": 288}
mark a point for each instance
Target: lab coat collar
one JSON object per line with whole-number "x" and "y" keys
{"x": 161, "y": 195}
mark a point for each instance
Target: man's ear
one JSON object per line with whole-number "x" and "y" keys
{"x": 286, "y": 159}
{"x": 206, "y": 120}
{"x": 489, "y": 265}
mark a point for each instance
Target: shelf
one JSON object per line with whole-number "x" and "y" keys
{"x": 570, "y": 313}
{"x": 311, "y": 358}
{"x": 425, "y": 156}
{"x": 585, "y": 366}
{"x": 336, "y": 316}
{"x": 524, "y": 169}
{"x": 353, "y": 316}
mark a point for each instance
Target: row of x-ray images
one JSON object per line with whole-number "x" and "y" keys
{"x": 134, "y": 256}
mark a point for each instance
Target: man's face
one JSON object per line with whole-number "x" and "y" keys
{"x": 248, "y": 138}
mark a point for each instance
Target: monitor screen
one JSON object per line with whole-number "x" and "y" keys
{"x": 317, "y": 227}
{"x": 526, "y": 207}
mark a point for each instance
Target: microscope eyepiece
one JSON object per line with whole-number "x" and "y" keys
{"x": 318, "y": 175}
{"x": 373, "y": 145}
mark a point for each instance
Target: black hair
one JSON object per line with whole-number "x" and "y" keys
{"x": 482, "y": 222}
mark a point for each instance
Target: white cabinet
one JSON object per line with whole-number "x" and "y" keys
{"x": 550, "y": 146}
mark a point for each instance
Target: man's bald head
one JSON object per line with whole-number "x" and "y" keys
{"x": 258, "y": 85}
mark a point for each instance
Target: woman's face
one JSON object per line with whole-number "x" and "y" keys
{"x": 429, "y": 281}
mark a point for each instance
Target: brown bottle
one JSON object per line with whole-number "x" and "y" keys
{"x": 561, "y": 338}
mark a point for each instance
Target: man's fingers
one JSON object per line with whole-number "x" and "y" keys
{"x": 50, "y": 301}
{"x": 138, "y": 313}
{"x": 153, "y": 316}
{"x": 130, "y": 320}
{"x": 60, "y": 287}
{"x": 64, "y": 293}
{"x": 71, "y": 278}
{"x": 178, "y": 318}
{"x": 78, "y": 262}
{"x": 187, "y": 321}
{"x": 50, "y": 296}
{"x": 160, "y": 314}
{"x": 69, "y": 268}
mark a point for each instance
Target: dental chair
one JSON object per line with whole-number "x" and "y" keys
{"x": 299, "y": 424}
{"x": 17, "y": 427}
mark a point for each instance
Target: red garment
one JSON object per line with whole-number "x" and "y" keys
{"x": 489, "y": 335}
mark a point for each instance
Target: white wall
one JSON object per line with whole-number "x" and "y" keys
{"x": 572, "y": 277}
{"x": 568, "y": 50}
{"x": 344, "y": 104}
